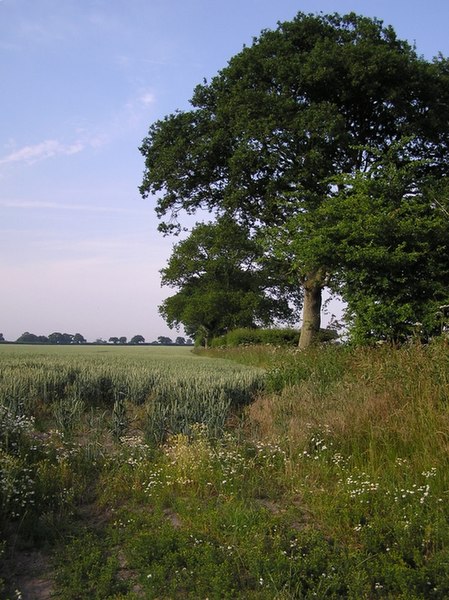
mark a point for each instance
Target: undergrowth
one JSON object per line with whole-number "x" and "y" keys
{"x": 331, "y": 483}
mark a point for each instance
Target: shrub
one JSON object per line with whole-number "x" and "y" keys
{"x": 275, "y": 337}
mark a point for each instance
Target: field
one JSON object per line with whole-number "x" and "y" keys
{"x": 263, "y": 473}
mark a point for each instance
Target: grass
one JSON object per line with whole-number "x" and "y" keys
{"x": 331, "y": 481}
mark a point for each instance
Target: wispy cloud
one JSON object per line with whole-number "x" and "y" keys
{"x": 43, "y": 150}
{"x": 52, "y": 148}
{"x": 120, "y": 122}
{"x": 147, "y": 98}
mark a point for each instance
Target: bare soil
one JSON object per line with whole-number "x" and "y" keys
{"x": 29, "y": 575}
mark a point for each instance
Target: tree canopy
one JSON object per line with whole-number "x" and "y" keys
{"x": 54, "y": 338}
{"x": 392, "y": 234}
{"x": 32, "y": 338}
{"x": 271, "y": 138}
{"x": 79, "y": 339}
{"x": 224, "y": 281}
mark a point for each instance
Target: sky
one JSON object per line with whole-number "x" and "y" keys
{"x": 82, "y": 81}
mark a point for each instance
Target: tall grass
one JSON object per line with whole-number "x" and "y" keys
{"x": 376, "y": 404}
{"x": 333, "y": 481}
{"x": 177, "y": 388}
{"x": 66, "y": 414}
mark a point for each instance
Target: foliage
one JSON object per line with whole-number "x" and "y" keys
{"x": 262, "y": 513}
{"x": 78, "y": 339}
{"x": 386, "y": 235}
{"x": 53, "y": 338}
{"x": 270, "y": 136}
{"x": 60, "y": 338}
{"x": 246, "y": 336}
{"x": 96, "y": 573}
{"x": 31, "y": 338}
{"x": 332, "y": 485}
{"x": 276, "y": 337}
{"x": 137, "y": 339}
{"x": 396, "y": 275}
{"x": 93, "y": 397}
{"x": 224, "y": 281}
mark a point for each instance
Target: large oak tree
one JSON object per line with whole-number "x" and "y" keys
{"x": 270, "y": 136}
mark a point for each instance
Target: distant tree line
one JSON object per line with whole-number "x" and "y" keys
{"x": 69, "y": 338}
{"x": 161, "y": 341}
{"x": 54, "y": 338}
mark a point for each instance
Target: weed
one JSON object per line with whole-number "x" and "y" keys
{"x": 332, "y": 482}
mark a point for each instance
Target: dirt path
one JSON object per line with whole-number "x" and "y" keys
{"x": 29, "y": 576}
{"x": 30, "y": 571}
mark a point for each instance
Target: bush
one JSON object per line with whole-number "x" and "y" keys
{"x": 273, "y": 337}
{"x": 241, "y": 337}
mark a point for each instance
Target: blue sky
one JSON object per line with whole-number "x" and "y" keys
{"x": 82, "y": 80}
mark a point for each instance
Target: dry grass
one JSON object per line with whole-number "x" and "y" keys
{"x": 383, "y": 404}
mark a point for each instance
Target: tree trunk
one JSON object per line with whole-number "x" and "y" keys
{"x": 311, "y": 316}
